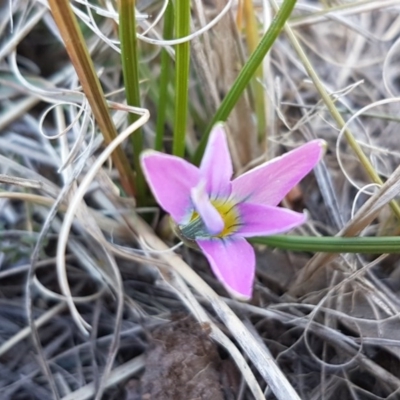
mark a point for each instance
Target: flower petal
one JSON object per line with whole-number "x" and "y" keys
{"x": 270, "y": 182}
{"x": 216, "y": 165}
{"x": 170, "y": 179}
{"x": 233, "y": 263}
{"x": 260, "y": 220}
{"x": 208, "y": 213}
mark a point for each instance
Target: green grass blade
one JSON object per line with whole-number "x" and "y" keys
{"x": 182, "y": 57}
{"x": 324, "y": 244}
{"x": 127, "y": 35}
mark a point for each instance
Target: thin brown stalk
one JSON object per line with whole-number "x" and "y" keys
{"x": 80, "y": 58}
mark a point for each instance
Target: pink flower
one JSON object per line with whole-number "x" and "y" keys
{"x": 218, "y": 213}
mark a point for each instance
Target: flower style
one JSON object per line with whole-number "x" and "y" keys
{"x": 218, "y": 214}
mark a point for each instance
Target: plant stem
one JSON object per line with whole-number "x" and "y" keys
{"x": 182, "y": 57}
{"x": 127, "y": 35}
{"x": 366, "y": 245}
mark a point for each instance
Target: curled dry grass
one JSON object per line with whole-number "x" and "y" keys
{"x": 85, "y": 283}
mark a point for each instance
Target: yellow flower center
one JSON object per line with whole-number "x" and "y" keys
{"x": 230, "y": 216}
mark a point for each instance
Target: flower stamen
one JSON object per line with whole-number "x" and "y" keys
{"x": 226, "y": 209}
{"x": 230, "y": 215}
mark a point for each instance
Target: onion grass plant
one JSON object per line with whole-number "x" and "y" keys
{"x": 141, "y": 149}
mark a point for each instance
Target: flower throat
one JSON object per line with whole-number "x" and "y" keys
{"x": 197, "y": 229}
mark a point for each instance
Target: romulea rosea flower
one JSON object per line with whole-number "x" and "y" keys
{"x": 218, "y": 213}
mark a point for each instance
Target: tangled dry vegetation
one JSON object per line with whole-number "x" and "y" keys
{"x": 94, "y": 304}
